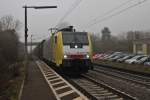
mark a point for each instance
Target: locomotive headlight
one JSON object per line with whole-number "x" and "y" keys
{"x": 87, "y": 56}
{"x": 76, "y": 46}
{"x": 65, "y": 56}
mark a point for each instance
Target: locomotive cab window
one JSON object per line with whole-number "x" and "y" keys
{"x": 75, "y": 38}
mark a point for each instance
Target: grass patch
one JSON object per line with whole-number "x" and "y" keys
{"x": 132, "y": 67}
{"x": 12, "y": 89}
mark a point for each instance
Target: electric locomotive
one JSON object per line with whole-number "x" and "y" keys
{"x": 69, "y": 50}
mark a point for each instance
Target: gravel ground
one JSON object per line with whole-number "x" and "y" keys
{"x": 140, "y": 92}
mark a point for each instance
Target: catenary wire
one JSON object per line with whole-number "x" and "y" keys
{"x": 115, "y": 14}
{"x": 109, "y": 12}
{"x": 69, "y": 12}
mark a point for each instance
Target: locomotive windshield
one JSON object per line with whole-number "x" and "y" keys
{"x": 75, "y": 37}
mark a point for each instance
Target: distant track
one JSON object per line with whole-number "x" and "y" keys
{"x": 134, "y": 79}
{"x": 97, "y": 90}
{"x": 123, "y": 70}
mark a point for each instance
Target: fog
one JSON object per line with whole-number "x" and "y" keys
{"x": 79, "y": 13}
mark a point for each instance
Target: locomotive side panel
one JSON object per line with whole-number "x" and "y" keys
{"x": 48, "y": 50}
{"x": 58, "y": 49}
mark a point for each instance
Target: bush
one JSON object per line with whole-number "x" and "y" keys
{"x": 8, "y": 54}
{"x": 9, "y": 45}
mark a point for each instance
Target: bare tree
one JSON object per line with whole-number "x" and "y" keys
{"x": 106, "y": 34}
{"x": 96, "y": 42}
{"x": 9, "y": 23}
{"x": 0, "y": 26}
{"x": 8, "y": 46}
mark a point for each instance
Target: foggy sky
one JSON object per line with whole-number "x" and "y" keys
{"x": 39, "y": 21}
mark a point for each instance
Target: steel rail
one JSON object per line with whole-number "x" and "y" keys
{"x": 123, "y": 72}
{"x": 124, "y": 95}
{"x": 117, "y": 74}
{"x": 96, "y": 90}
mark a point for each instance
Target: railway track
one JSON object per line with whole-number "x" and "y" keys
{"x": 139, "y": 81}
{"x": 97, "y": 90}
{"x": 90, "y": 86}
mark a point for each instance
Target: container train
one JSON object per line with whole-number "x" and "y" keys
{"x": 70, "y": 51}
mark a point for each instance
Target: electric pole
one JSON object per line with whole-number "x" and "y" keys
{"x": 31, "y": 45}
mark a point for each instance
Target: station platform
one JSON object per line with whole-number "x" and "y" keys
{"x": 35, "y": 86}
